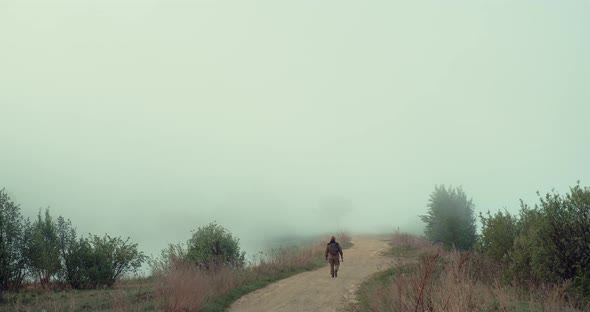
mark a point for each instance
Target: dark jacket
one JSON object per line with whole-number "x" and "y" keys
{"x": 337, "y": 246}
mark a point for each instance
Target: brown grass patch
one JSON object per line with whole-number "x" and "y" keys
{"x": 188, "y": 287}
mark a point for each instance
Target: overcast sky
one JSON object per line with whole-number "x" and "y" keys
{"x": 150, "y": 118}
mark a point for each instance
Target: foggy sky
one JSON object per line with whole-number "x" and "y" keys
{"x": 151, "y": 118}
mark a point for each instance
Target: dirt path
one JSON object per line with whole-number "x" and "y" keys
{"x": 316, "y": 290}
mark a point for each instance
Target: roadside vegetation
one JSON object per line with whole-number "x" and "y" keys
{"x": 46, "y": 266}
{"x": 49, "y": 254}
{"x": 536, "y": 261}
{"x": 206, "y": 283}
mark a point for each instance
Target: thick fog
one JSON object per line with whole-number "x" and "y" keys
{"x": 150, "y": 118}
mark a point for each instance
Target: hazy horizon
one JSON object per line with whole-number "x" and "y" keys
{"x": 151, "y": 118}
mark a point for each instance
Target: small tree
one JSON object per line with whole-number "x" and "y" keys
{"x": 12, "y": 237}
{"x": 214, "y": 246}
{"x": 76, "y": 255}
{"x": 450, "y": 219}
{"x": 66, "y": 238}
{"x": 42, "y": 250}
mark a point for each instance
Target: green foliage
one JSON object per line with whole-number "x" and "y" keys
{"x": 12, "y": 237}
{"x": 551, "y": 240}
{"x": 450, "y": 219}
{"x": 554, "y": 239}
{"x": 73, "y": 253}
{"x": 529, "y": 258}
{"x": 42, "y": 250}
{"x": 50, "y": 252}
{"x": 94, "y": 262}
{"x": 214, "y": 246}
{"x": 497, "y": 235}
{"x": 568, "y": 231}
{"x": 112, "y": 257}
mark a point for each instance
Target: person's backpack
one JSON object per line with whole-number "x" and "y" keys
{"x": 334, "y": 249}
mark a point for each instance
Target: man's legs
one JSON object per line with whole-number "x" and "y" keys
{"x": 336, "y": 266}
{"x": 331, "y": 260}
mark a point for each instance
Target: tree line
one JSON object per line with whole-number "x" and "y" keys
{"x": 51, "y": 252}
{"x": 546, "y": 242}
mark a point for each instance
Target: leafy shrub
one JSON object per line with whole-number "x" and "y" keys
{"x": 529, "y": 256}
{"x": 54, "y": 253}
{"x": 105, "y": 259}
{"x": 214, "y": 246}
{"x": 497, "y": 235}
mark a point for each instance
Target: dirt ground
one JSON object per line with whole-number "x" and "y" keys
{"x": 317, "y": 290}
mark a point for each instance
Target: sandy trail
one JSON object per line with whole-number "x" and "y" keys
{"x": 316, "y": 290}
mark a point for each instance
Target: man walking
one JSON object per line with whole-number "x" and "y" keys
{"x": 332, "y": 251}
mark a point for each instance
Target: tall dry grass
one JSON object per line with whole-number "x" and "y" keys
{"x": 344, "y": 238}
{"x": 439, "y": 280}
{"x": 413, "y": 242}
{"x": 185, "y": 287}
{"x": 287, "y": 260}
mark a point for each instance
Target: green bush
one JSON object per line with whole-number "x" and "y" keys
{"x": 551, "y": 240}
{"x": 497, "y": 235}
{"x": 450, "y": 218}
{"x": 567, "y": 234}
{"x": 94, "y": 261}
{"x": 107, "y": 258}
{"x": 214, "y": 246}
{"x": 56, "y": 255}
{"x": 529, "y": 257}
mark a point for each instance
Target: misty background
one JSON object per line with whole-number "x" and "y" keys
{"x": 151, "y": 118}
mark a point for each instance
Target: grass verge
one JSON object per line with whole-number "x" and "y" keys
{"x": 128, "y": 295}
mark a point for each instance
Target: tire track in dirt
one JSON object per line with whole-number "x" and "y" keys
{"x": 316, "y": 290}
